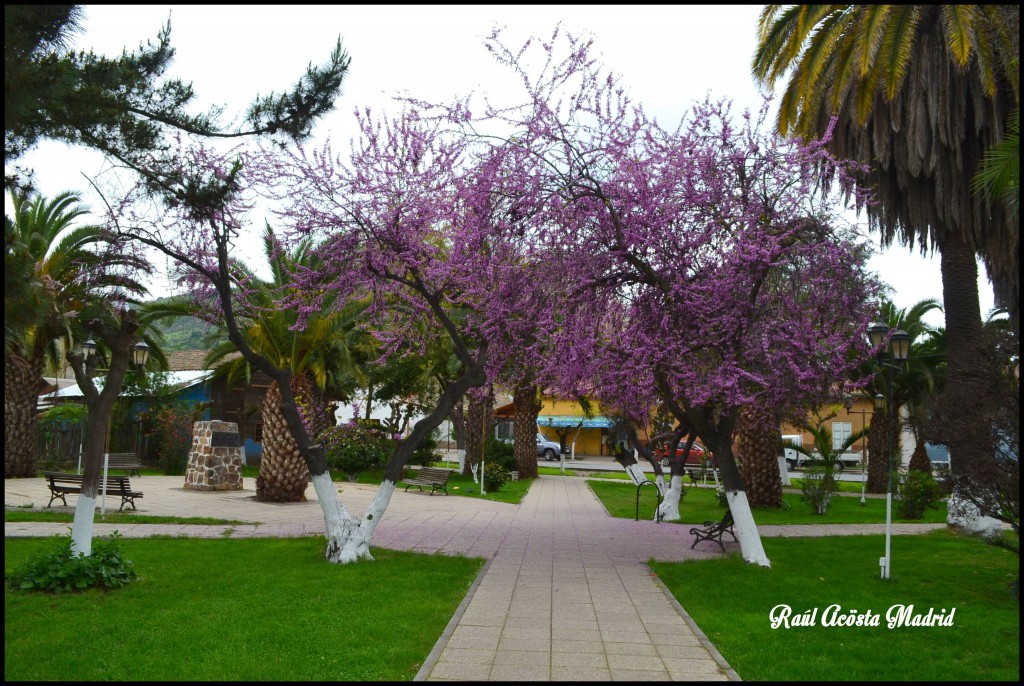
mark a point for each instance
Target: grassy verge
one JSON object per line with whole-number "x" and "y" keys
{"x": 700, "y": 504}
{"x": 237, "y": 610}
{"x": 26, "y": 515}
{"x": 731, "y": 602}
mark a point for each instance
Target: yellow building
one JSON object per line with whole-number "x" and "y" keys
{"x": 842, "y": 422}
{"x": 562, "y": 420}
{"x": 565, "y": 419}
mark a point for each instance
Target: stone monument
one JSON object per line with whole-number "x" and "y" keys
{"x": 215, "y": 459}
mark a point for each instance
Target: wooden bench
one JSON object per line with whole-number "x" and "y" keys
{"x": 125, "y": 461}
{"x": 435, "y": 477}
{"x": 62, "y": 484}
{"x": 713, "y": 531}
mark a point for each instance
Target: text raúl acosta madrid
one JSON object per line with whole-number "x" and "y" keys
{"x": 782, "y": 616}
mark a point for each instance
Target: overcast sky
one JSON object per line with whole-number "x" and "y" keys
{"x": 668, "y": 57}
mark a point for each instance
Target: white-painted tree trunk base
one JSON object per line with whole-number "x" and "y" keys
{"x": 966, "y": 515}
{"x": 460, "y": 455}
{"x": 669, "y": 509}
{"x": 473, "y": 468}
{"x": 784, "y": 471}
{"x": 81, "y": 529}
{"x": 746, "y": 530}
{"x": 636, "y": 474}
{"x": 348, "y": 539}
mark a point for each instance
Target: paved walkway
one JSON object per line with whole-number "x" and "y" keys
{"x": 565, "y": 595}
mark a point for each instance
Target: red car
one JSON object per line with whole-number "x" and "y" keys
{"x": 696, "y": 458}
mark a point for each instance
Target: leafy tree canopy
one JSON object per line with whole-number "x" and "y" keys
{"x": 125, "y": 106}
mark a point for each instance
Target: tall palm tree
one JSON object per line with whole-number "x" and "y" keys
{"x": 317, "y": 357}
{"x": 918, "y": 93}
{"x": 53, "y": 271}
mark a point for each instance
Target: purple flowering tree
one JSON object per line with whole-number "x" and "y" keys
{"x": 711, "y": 255}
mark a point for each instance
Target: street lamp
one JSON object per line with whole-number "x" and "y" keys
{"x": 898, "y": 350}
{"x": 139, "y": 355}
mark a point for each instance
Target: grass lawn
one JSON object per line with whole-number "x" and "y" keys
{"x": 26, "y": 515}
{"x": 237, "y": 610}
{"x": 700, "y": 504}
{"x": 731, "y": 602}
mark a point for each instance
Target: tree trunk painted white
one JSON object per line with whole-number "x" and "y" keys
{"x": 636, "y": 473}
{"x": 460, "y": 454}
{"x": 473, "y": 468}
{"x": 784, "y": 471}
{"x": 966, "y": 515}
{"x": 81, "y": 529}
{"x": 746, "y": 530}
{"x": 670, "y": 498}
{"x": 348, "y": 539}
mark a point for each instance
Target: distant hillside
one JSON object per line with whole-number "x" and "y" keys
{"x": 183, "y": 333}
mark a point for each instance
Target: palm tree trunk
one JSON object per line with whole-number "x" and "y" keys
{"x": 527, "y": 404}
{"x": 964, "y": 357}
{"x": 878, "y": 451}
{"x": 758, "y": 437}
{"x": 283, "y": 473}
{"x": 21, "y": 427}
{"x": 919, "y": 460}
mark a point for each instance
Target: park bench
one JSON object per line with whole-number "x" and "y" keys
{"x": 125, "y": 461}
{"x": 62, "y": 484}
{"x": 435, "y": 477}
{"x": 713, "y": 531}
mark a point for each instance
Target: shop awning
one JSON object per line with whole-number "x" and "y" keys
{"x": 570, "y": 420}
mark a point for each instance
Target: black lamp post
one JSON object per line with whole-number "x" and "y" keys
{"x": 898, "y": 350}
{"x": 139, "y": 355}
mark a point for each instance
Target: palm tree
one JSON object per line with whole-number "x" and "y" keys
{"x": 757, "y": 448}
{"x": 317, "y": 357}
{"x": 819, "y": 480}
{"x": 918, "y": 93}
{"x": 53, "y": 271}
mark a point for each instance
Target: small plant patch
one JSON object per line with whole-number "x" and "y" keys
{"x": 59, "y": 570}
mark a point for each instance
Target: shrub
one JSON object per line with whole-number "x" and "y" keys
{"x": 819, "y": 485}
{"x": 500, "y": 452}
{"x": 425, "y": 454}
{"x": 495, "y": 476}
{"x": 916, "y": 491}
{"x": 170, "y": 427}
{"x": 723, "y": 500}
{"x": 58, "y": 570}
{"x": 352, "y": 448}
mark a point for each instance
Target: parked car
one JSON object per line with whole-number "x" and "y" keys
{"x": 547, "y": 449}
{"x": 699, "y": 457}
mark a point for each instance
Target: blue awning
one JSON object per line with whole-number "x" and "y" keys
{"x": 570, "y": 420}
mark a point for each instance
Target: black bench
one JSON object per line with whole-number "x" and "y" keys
{"x": 435, "y": 477}
{"x": 713, "y": 531}
{"x": 128, "y": 462}
{"x": 62, "y": 484}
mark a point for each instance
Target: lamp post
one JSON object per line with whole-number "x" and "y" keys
{"x": 898, "y": 350}
{"x": 139, "y": 356}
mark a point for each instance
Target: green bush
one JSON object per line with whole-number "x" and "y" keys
{"x": 352, "y": 448}
{"x": 916, "y": 491}
{"x": 495, "y": 476}
{"x": 58, "y": 570}
{"x": 819, "y": 485}
{"x": 500, "y": 452}
{"x": 426, "y": 453}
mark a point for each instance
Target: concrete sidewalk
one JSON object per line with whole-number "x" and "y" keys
{"x": 565, "y": 595}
